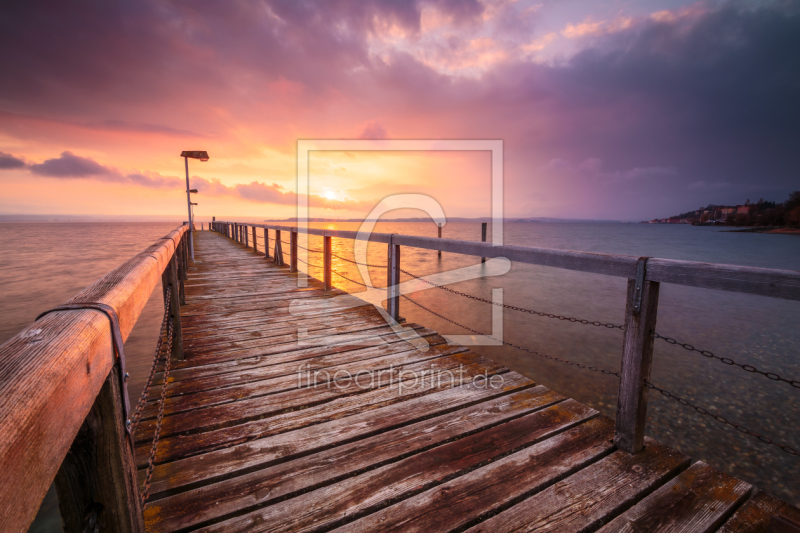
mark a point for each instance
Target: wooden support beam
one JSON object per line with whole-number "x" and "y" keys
{"x": 246, "y": 237}
{"x": 97, "y": 481}
{"x": 266, "y": 243}
{"x": 637, "y": 356}
{"x": 278, "y": 248}
{"x": 255, "y": 240}
{"x": 170, "y": 277}
{"x": 483, "y": 237}
{"x": 293, "y": 251}
{"x": 440, "y": 236}
{"x": 327, "y": 263}
{"x": 393, "y": 286}
{"x": 183, "y": 270}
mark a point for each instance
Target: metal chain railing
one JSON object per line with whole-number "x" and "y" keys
{"x": 356, "y": 282}
{"x": 515, "y": 308}
{"x": 357, "y": 263}
{"x": 151, "y": 461}
{"x": 137, "y": 414}
{"x": 310, "y": 250}
{"x": 523, "y": 348}
{"x": 727, "y": 361}
{"x": 722, "y": 420}
{"x": 706, "y": 353}
{"x": 740, "y": 428}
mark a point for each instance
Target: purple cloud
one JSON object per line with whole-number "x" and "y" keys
{"x": 69, "y": 165}
{"x": 8, "y": 161}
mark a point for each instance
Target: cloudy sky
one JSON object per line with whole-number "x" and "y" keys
{"x": 623, "y": 109}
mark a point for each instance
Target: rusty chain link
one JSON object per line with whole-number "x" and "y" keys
{"x": 722, "y": 420}
{"x": 151, "y": 461}
{"x": 357, "y": 263}
{"x": 534, "y": 352}
{"x": 137, "y": 415}
{"x": 515, "y": 308}
{"x": 727, "y": 361}
{"x": 357, "y": 282}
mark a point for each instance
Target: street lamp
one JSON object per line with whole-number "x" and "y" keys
{"x": 202, "y": 155}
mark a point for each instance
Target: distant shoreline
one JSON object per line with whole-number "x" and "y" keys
{"x": 776, "y": 231}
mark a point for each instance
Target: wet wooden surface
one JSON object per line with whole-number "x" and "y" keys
{"x": 435, "y": 440}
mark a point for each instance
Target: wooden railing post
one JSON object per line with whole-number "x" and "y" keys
{"x": 170, "y": 277}
{"x": 637, "y": 355}
{"x": 266, "y": 243}
{"x": 97, "y": 482}
{"x": 183, "y": 271}
{"x": 327, "y": 263}
{"x": 255, "y": 240}
{"x": 440, "y": 236}
{"x": 246, "y": 237}
{"x": 483, "y": 237}
{"x": 278, "y": 248}
{"x": 293, "y": 251}
{"x": 393, "y": 285}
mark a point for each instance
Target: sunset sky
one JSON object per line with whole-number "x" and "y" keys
{"x": 623, "y": 110}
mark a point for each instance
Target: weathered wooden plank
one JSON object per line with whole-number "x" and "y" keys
{"x": 62, "y": 359}
{"x": 590, "y": 497}
{"x": 309, "y": 471}
{"x": 757, "y": 513}
{"x": 364, "y": 421}
{"x": 281, "y": 378}
{"x": 283, "y": 395}
{"x": 698, "y": 500}
{"x": 241, "y": 367}
{"x": 368, "y": 492}
{"x": 172, "y": 448}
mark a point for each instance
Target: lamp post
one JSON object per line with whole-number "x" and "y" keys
{"x": 202, "y": 155}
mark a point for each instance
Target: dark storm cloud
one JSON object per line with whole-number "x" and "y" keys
{"x": 8, "y": 161}
{"x": 710, "y": 94}
{"x": 69, "y": 165}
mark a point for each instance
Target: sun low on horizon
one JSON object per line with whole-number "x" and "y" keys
{"x": 606, "y": 110}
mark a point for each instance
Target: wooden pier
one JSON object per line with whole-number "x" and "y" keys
{"x": 301, "y": 408}
{"x": 247, "y": 445}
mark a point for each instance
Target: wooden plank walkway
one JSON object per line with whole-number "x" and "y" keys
{"x": 247, "y": 446}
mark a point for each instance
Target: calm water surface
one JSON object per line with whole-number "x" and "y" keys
{"x": 43, "y": 265}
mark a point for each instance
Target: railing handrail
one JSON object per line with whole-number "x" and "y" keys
{"x": 52, "y": 371}
{"x": 773, "y": 283}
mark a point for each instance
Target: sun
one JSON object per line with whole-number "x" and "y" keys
{"x": 330, "y": 194}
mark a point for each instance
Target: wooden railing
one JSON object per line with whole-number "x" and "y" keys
{"x": 644, "y": 276}
{"x": 60, "y": 392}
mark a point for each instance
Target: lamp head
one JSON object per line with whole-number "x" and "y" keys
{"x": 202, "y": 155}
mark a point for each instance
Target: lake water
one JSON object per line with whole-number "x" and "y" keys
{"x": 45, "y": 264}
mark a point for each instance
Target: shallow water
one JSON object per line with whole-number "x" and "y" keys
{"x": 43, "y": 265}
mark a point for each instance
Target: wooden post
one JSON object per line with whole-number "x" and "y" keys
{"x": 637, "y": 355}
{"x": 393, "y": 286}
{"x": 293, "y": 251}
{"x": 97, "y": 482}
{"x": 327, "y": 262}
{"x": 183, "y": 271}
{"x": 266, "y": 243}
{"x": 170, "y": 277}
{"x": 483, "y": 237}
{"x": 255, "y": 240}
{"x": 278, "y": 248}
{"x": 440, "y": 236}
